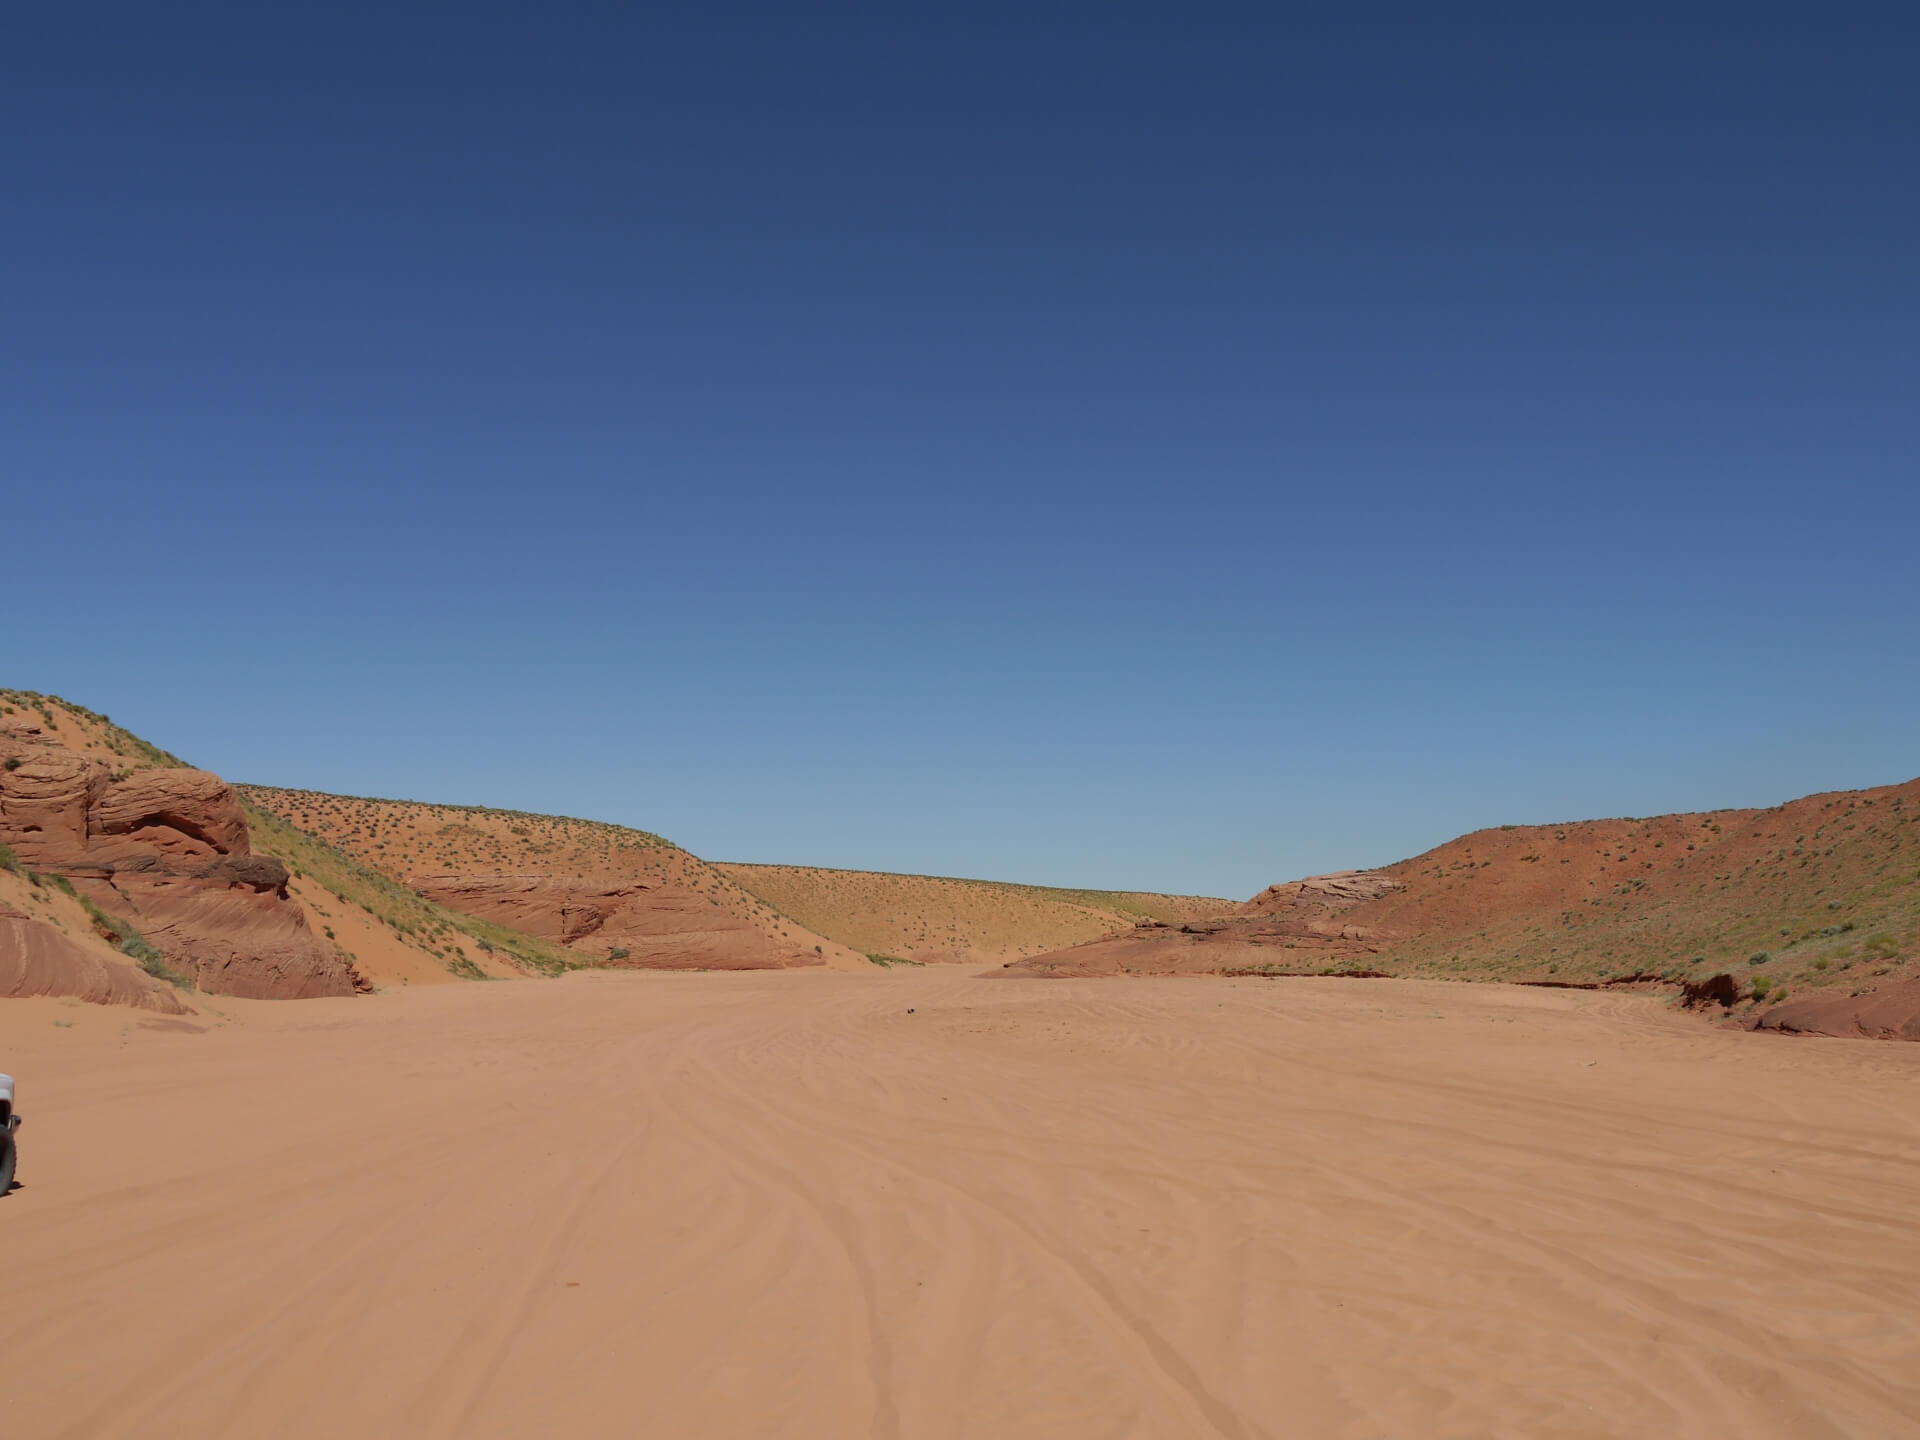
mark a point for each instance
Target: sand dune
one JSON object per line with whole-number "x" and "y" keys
{"x": 911, "y": 1204}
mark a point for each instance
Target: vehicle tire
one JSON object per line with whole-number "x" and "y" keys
{"x": 9, "y": 1154}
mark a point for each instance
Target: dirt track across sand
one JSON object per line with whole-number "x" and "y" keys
{"x": 915, "y": 1205}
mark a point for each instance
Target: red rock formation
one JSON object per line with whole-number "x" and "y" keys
{"x": 1890, "y": 1012}
{"x": 632, "y": 924}
{"x": 167, "y": 851}
{"x": 1305, "y": 942}
{"x": 562, "y": 908}
{"x": 1338, "y": 891}
{"x": 37, "y": 959}
{"x": 179, "y": 813}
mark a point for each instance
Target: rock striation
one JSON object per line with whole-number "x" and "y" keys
{"x": 38, "y": 959}
{"x": 623, "y": 923}
{"x": 167, "y": 852}
{"x": 1338, "y": 891}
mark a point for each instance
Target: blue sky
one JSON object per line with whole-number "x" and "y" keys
{"x": 1179, "y": 447}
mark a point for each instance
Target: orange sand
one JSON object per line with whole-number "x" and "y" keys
{"x": 780, "y": 1204}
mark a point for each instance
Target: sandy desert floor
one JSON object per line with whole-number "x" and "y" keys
{"x": 916, "y": 1204}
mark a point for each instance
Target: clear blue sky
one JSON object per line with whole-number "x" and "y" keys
{"x": 1183, "y": 446}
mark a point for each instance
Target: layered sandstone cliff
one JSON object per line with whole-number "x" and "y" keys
{"x": 165, "y": 851}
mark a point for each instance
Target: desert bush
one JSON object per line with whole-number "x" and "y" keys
{"x": 129, "y": 941}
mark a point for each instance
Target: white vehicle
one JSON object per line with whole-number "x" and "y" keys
{"x": 9, "y": 1122}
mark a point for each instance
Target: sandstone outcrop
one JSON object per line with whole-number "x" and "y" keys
{"x": 1890, "y": 1012}
{"x": 165, "y": 850}
{"x": 562, "y": 908}
{"x": 38, "y": 959}
{"x": 614, "y": 895}
{"x": 1337, "y": 891}
{"x": 630, "y": 924}
{"x": 1306, "y": 941}
{"x": 1298, "y": 926}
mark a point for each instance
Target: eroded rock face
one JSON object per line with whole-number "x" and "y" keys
{"x": 187, "y": 814}
{"x": 37, "y": 959}
{"x": 562, "y": 908}
{"x": 636, "y": 925}
{"x": 167, "y": 851}
{"x": 1298, "y": 926}
{"x": 1338, "y": 891}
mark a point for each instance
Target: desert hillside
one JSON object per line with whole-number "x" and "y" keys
{"x": 132, "y": 877}
{"x": 934, "y": 919}
{"x": 608, "y": 894}
{"x": 1807, "y": 905}
{"x": 80, "y": 730}
{"x": 138, "y": 880}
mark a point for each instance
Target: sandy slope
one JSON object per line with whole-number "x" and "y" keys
{"x": 613, "y": 895}
{"x": 935, "y": 919}
{"x": 781, "y": 1204}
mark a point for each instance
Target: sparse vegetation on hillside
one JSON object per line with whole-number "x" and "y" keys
{"x": 85, "y": 730}
{"x": 116, "y": 932}
{"x": 403, "y": 839}
{"x": 1784, "y": 893}
{"x": 940, "y": 916}
{"x": 398, "y": 837}
{"x": 1821, "y": 892}
{"x": 432, "y": 929}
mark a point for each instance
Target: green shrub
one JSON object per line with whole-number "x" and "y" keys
{"x": 130, "y": 942}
